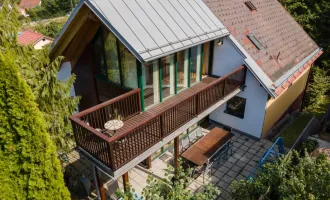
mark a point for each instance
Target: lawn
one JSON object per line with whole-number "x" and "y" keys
{"x": 292, "y": 132}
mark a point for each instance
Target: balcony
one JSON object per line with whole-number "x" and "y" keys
{"x": 143, "y": 130}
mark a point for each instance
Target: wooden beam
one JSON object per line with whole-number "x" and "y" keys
{"x": 70, "y": 32}
{"x": 84, "y": 36}
{"x": 99, "y": 184}
{"x": 125, "y": 181}
{"x": 176, "y": 153}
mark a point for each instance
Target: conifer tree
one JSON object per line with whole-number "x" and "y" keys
{"x": 51, "y": 95}
{"x": 29, "y": 168}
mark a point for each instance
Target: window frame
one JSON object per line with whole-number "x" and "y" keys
{"x": 229, "y": 111}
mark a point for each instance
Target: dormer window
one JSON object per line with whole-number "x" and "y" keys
{"x": 251, "y": 6}
{"x": 256, "y": 42}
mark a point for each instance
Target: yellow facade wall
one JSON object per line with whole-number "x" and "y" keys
{"x": 275, "y": 108}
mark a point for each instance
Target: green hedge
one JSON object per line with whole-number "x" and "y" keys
{"x": 29, "y": 168}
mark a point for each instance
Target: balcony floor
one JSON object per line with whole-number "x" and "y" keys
{"x": 134, "y": 121}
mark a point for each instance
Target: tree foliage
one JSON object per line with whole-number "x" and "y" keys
{"x": 51, "y": 8}
{"x": 51, "y": 95}
{"x": 307, "y": 179}
{"x": 318, "y": 87}
{"x": 51, "y": 29}
{"x": 29, "y": 168}
{"x": 314, "y": 17}
{"x": 172, "y": 187}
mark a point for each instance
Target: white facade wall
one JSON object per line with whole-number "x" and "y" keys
{"x": 226, "y": 59}
{"x": 42, "y": 43}
{"x": 64, "y": 74}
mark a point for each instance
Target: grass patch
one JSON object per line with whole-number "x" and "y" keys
{"x": 292, "y": 132}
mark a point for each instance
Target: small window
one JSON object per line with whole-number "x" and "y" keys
{"x": 255, "y": 41}
{"x": 250, "y": 5}
{"x": 236, "y": 107}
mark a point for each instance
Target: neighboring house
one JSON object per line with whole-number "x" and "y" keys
{"x": 165, "y": 66}
{"x": 279, "y": 55}
{"x": 37, "y": 40}
{"x": 25, "y": 5}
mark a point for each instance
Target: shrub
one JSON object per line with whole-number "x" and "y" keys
{"x": 308, "y": 178}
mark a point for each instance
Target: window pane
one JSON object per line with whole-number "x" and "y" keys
{"x": 183, "y": 62}
{"x": 128, "y": 64}
{"x": 98, "y": 51}
{"x": 111, "y": 54}
{"x": 167, "y": 76}
{"x": 236, "y": 106}
{"x": 151, "y": 83}
{"x": 195, "y": 64}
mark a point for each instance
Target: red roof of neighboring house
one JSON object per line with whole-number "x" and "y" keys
{"x": 29, "y": 37}
{"x": 28, "y": 4}
{"x": 280, "y": 35}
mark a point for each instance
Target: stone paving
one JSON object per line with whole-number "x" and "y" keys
{"x": 246, "y": 154}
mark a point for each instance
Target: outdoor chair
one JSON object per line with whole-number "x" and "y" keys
{"x": 207, "y": 170}
{"x": 195, "y": 136}
{"x": 185, "y": 144}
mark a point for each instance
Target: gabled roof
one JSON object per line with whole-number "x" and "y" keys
{"x": 153, "y": 29}
{"x": 286, "y": 46}
{"x": 28, "y": 4}
{"x": 29, "y": 37}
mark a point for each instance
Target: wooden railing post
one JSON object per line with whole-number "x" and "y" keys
{"x": 223, "y": 89}
{"x": 112, "y": 156}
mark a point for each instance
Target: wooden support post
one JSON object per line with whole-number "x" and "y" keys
{"x": 176, "y": 153}
{"x": 125, "y": 181}
{"x": 99, "y": 185}
{"x": 148, "y": 162}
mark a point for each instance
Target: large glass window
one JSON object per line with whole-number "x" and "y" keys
{"x": 151, "y": 83}
{"x": 129, "y": 68}
{"x": 183, "y": 65}
{"x": 195, "y": 64}
{"x": 111, "y": 55}
{"x": 167, "y": 65}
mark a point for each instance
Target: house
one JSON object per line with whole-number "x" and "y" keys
{"x": 37, "y": 40}
{"x": 28, "y": 4}
{"x": 279, "y": 55}
{"x": 162, "y": 67}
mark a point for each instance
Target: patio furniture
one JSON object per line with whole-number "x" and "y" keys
{"x": 210, "y": 150}
{"x": 195, "y": 136}
{"x": 205, "y": 148}
{"x": 114, "y": 125}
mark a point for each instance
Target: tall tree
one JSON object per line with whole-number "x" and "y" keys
{"x": 51, "y": 95}
{"x": 29, "y": 168}
{"x": 314, "y": 17}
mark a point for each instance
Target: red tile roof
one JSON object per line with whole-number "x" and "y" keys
{"x": 29, "y": 37}
{"x": 273, "y": 26}
{"x": 28, "y": 4}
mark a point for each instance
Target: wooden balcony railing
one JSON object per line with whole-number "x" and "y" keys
{"x": 142, "y": 131}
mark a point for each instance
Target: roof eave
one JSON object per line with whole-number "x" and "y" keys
{"x": 293, "y": 70}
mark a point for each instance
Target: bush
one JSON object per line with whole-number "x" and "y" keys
{"x": 51, "y": 29}
{"x": 307, "y": 179}
{"x": 309, "y": 145}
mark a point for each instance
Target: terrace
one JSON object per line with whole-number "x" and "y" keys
{"x": 247, "y": 153}
{"x": 144, "y": 133}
